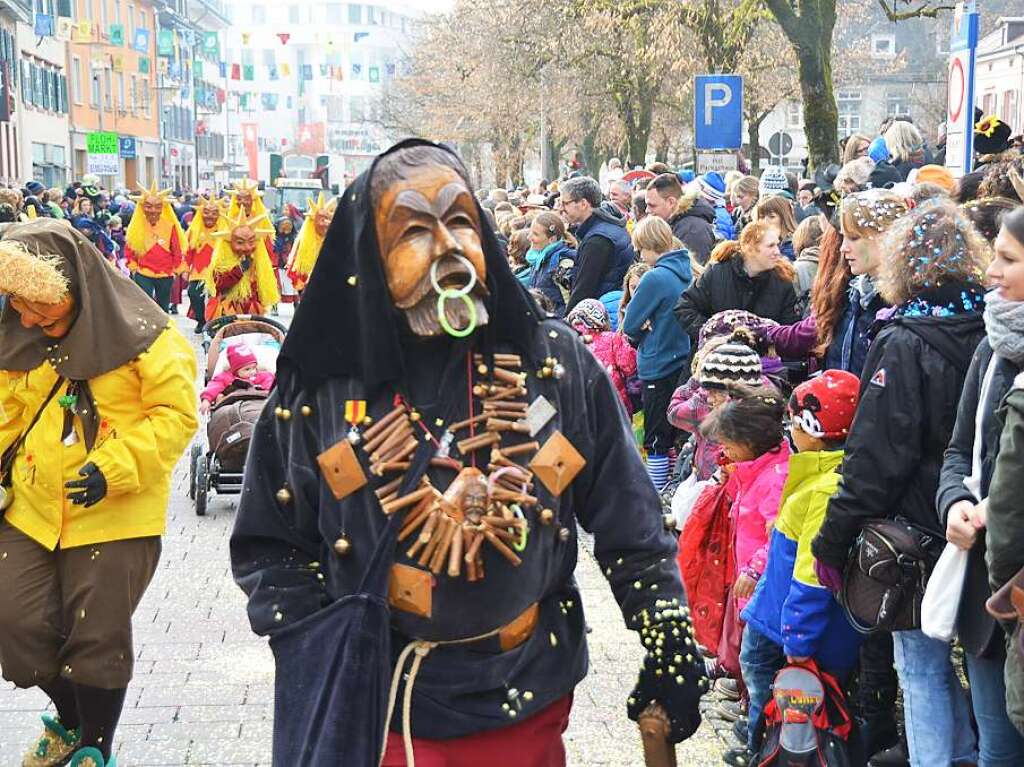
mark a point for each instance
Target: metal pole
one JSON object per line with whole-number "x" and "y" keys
{"x": 160, "y": 122}
{"x": 195, "y": 113}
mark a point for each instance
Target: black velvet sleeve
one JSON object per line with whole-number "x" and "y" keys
{"x": 619, "y": 505}
{"x": 275, "y": 545}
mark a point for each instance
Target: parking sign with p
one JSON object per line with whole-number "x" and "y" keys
{"x": 718, "y": 111}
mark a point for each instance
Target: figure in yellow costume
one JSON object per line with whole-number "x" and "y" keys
{"x": 241, "y": 276}
{"x": 310, "y": 240}
{"x": 154, "y": 244}
{"x": 209, "y": 217}
{"x": 247, "y": 198}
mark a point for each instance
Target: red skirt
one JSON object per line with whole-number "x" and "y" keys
{"x": 533, "y": 742}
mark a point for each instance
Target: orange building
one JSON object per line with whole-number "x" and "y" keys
{"x": 111, "y": 74}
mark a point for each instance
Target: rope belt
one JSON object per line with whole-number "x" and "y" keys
{"x": 421, "y": 649}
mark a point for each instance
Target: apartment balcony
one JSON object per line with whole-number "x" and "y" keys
{"x": 200, "y": 15}
{"x": 208, "y": 15}
{"x": 20, "y": 10}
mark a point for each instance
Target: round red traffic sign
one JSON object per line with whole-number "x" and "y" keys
{"x": 957, "y": 83}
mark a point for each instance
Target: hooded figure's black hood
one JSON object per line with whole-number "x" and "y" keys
{"x": 347, "y": 325}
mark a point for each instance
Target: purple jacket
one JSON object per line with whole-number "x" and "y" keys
{"x": 796, "y": 340}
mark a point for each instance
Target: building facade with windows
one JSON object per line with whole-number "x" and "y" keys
{"x": 110, "y": 84}
{"x": 185, "y": 63}
{"x": 12, "y": 157}
{"x": 999, "y": 72}
{"x": 905, "y": 77}
{"x": 309, "y": 92}
{"x": 42, "y": 114}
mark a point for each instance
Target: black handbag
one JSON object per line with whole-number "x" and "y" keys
{"x": 885, "y": 577}
{"x": 7, "y": 460}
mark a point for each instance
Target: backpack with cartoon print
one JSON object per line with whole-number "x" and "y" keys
{"x": 807, "y": 722}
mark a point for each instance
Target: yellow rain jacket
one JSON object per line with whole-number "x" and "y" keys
{"x": 148, "y": 412}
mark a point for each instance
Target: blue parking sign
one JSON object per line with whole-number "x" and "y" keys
{"x": 718, "y": 111}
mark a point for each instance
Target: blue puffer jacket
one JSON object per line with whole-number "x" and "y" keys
{"x": 542, "y": 273}
{"x": 665, "y": 347}
{"x": 790, "y": 606}
{"x": 604, "y": 224}
{"x": 725, "y": 228}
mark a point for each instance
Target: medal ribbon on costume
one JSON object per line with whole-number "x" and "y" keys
{"x": 355, "y": 414}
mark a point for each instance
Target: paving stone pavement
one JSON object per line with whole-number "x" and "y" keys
{"x": 203, "y": 687}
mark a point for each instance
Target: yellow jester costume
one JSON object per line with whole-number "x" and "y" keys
{"x": 311, "y": 238}
{"x": 241, "y": 275}
{"x": 154, "y": 250}
{"x": 200, "y": 237}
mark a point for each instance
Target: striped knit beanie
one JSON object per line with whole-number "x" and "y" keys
{"x": 773, "y": 182}
{"x": 733, "y": 364}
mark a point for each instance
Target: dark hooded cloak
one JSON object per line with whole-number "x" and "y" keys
{"x": 115, "y": 321}
{"x": 343, "y": 329}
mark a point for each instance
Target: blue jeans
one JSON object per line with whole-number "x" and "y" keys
{"x": 999, "y": 742}
{"x": 760, "y": 660}
{"x": 938, "y": 721}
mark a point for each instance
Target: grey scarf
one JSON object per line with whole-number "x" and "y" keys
{"x": 1004, "y": 323}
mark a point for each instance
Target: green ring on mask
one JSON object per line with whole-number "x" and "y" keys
{"x": 524, "y": 534}
{"x": 452, "y": 294}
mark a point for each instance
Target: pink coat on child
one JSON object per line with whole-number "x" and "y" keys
{"x": 758, "y": 485}
{"x": 619, "y": 359}
{"x": 239, "y": 356}
{"x": 262, "y": 380}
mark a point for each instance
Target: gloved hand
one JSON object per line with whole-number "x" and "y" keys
{"x": 89, "y": 490}
{"x": 673, "y": 673}
{"x": 246, "y": 263}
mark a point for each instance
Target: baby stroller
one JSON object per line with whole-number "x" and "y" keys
{"x": 220, "y": 463}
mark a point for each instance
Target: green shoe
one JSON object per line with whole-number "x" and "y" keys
{"x": 90, "y": 757}
{"x": 54, "y": 746}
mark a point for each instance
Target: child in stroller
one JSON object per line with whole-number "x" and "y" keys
{"x": 242, "y": 352}
{"x": 242, "y": 373}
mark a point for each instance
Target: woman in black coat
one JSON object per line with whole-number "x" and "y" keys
{"x": 750, "y": 274}
{"x": 964, "y": 489}
{"x": 931, "y": 275}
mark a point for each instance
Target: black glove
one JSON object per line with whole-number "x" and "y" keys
{"x": 246, "y": 263}
{"x": 89, "y": 490}
{"x": 673, "y": 674}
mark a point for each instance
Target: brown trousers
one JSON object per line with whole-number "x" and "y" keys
{"x": 68, "y": 612}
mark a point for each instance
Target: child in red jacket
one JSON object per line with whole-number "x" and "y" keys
{"x": 243, "y": 374}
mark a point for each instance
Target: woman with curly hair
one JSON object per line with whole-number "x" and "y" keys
{"x": 987, "y": 214}
{"x": 931, "y": 273}
{"x": 1004, "y": 179}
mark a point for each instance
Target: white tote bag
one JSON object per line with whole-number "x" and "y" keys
{"x": 941, "y": 601}
{"x": 687, "y": 493}
{"x": 942, "y": 595}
